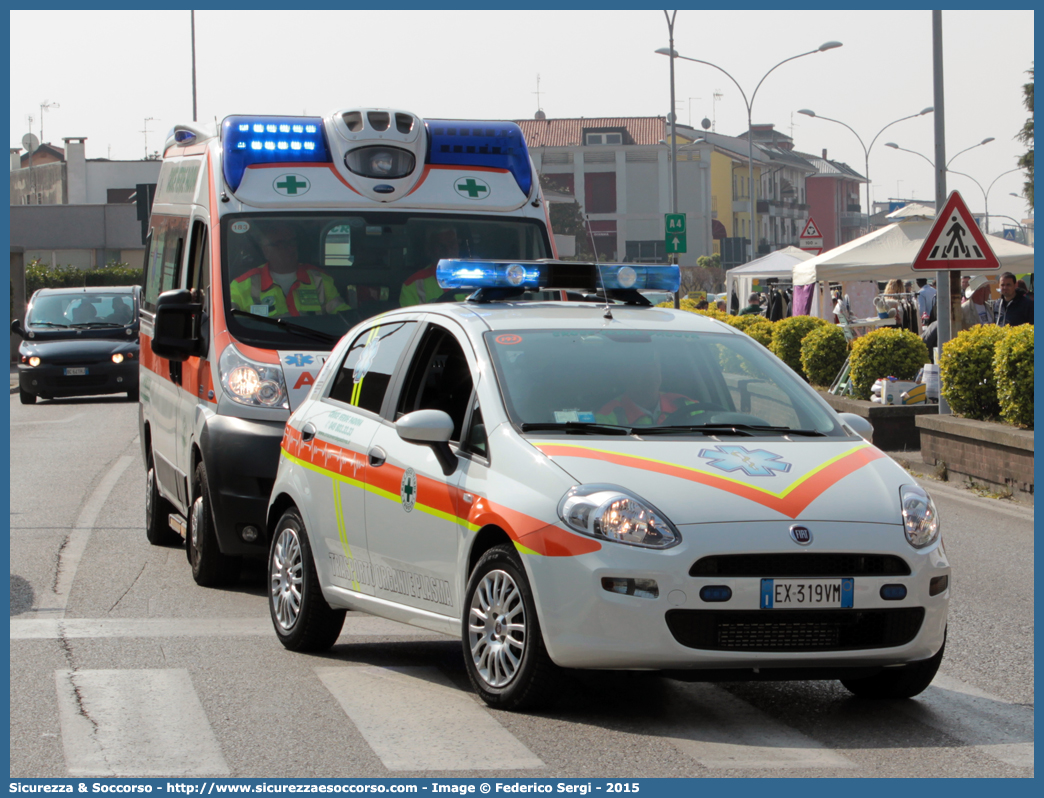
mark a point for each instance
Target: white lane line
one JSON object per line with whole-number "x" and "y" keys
{"x": 73, "y": 417}
{"x": 69, "y": 628}
{"x": 726, "y": 732}
{"x": 397, "y": 709}
{"x": 55, "y": 601}
{"x": 135, "y": 723}
{"x": 996, "y": 727}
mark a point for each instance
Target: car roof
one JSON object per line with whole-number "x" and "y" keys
{"x": 530, "y": 315}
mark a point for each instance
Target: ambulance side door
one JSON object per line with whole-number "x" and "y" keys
{"x": 413, "y": 524}
{"x": 335, "y": 437}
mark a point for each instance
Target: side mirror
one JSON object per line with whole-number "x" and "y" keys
{"x": 859, "y": 425}
{"x": 431, "y": 428}
{"x": 175, "y": 334}
{"x": 16, "y": 328}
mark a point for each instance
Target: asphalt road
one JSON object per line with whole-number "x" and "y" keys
{"x": 121, "y": 665}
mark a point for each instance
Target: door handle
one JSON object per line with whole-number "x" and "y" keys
{"x": 308, "y": 432}
{"x": 377, "y": 456}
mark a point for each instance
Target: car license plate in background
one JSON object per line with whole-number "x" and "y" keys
{"x": 80, "y": 372}
{"x": 806, "y": 593}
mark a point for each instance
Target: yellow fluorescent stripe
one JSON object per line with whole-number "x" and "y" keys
{"x": 357, "y": 483}
{"x": 524, "y": 550}
{"x": 782, "y": 494}
{"x": 341, "y": 531}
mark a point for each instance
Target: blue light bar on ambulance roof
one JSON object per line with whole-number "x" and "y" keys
{"x": 497, "y": 145}
{"x": 531, "y": 275}
{"x": 248, "y": 140}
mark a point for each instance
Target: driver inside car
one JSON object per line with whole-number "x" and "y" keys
{"x": 642, "y": 404}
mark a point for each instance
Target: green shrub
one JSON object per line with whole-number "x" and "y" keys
{"x": 823, "y": 353}
{"x": 760, "y": 332}
{"x": 787, "y": 335}
{"x": 1013, "y": 371}
{"x": 966, "y": 375}
{"x": 888, "y": 352}
{"x": 40, "y": 275}
{"x": 743, "y": 322}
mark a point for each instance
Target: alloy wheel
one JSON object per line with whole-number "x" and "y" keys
{"x": 497, "y": 628}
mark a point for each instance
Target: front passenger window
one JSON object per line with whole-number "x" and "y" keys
{"x": 439, "y": 379}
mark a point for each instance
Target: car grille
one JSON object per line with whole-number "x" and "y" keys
{"x": 794, "y": 630}
{"x": 803, "y": 563}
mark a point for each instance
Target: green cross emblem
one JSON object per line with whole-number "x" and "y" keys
{"x": 408, "y": 489}
{"x": 471, "y": 187}
{"x": 291, "y": 185}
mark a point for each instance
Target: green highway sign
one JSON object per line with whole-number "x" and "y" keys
{"x": 674, "y": 233}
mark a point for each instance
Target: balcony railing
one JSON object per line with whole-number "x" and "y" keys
{"x": 853, "y": 219}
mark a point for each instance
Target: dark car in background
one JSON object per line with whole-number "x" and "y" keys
{"x": 79, "y": 342}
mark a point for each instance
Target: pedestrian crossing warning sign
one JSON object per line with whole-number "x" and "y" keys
{"x": 811, "y": 230}
{"x": 955, "y": 242}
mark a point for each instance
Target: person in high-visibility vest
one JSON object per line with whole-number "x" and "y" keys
{"x": 282, "y": 286}
{"x": 422, "y": 286}
{"x": 643, "y": 405}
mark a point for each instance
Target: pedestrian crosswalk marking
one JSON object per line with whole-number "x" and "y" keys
{"x": 726, "y": 732}
{"x": 135, "y": 723}
{"x": 414, "y": 718}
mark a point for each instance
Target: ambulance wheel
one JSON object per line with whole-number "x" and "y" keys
{"x": 210, "y": 568}
{"x": 302, "y": 619}
{"x": 904, "y": 682}
{"x": 25, "y": 397}
{"x": 157, "y": 514}
{"x": 504, "y": 651}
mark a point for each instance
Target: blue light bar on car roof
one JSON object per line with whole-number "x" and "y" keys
{"x": 248, "y": 140}
{"x": 531, "y": 275}
{"x": 497, "y": 145}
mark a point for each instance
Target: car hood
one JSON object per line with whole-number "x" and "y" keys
{"x": 78, "y": 349}
{"x": 706, "y": 481}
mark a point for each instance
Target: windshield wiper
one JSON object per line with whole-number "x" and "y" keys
{"x": 48, "y": 324}
{"x": 298, "y": 329}
{"x": 705, "y": 429}
{"x": 578, "y": 428}
{"x": 811, "y": 433}
{"x": 93, "y": 324}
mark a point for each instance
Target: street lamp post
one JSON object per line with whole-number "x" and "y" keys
{"x": 985, "y": 191}
{"x": 752, "y": 198}
{"x": 672, "y": 118}
{"x": 866, "y": 149}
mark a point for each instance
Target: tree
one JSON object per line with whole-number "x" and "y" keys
{"x": 1026, "y": 137}
{"x": 567, "y": 218}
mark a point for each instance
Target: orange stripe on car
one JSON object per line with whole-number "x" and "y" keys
{"x": 791, "y": 501}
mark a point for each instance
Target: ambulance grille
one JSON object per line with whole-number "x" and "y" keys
{"x": 800, "y": 563}
{"x": 795, "y": 630}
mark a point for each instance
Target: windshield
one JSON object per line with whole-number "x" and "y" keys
{"x": 601, "y": 382}
{"x": 323, "y": 273}
{"x": 82, "y": 309}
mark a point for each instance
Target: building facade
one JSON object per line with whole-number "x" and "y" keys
{"x": 833, "y": 200}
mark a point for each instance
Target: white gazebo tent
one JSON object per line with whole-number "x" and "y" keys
{"x": 889, "y": 253}
{"x": 779, "y": 264}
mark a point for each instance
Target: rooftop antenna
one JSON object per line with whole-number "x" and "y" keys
{"x": 537, "y": 93}
{"x": 145, "y": 130}
{"x": 714, "y": 103}
{"x": 43, "y": 107}
{"x": 601, "y": 279}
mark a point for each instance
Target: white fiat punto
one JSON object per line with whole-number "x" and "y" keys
{"x": 599, "y": 485}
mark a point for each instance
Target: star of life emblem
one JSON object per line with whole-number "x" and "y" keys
{"x": 752, "y": 462}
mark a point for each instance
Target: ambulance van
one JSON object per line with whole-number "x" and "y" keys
{"x": 270, "y": 237}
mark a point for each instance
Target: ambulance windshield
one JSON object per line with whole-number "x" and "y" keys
{"x": 654, "y": 381}
{"x": 303, "y": 280}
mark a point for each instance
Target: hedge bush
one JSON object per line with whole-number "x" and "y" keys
{"x": 1013, "y": 368}
{"x": 888, "y": 352}
{"x": 40, "y": 275}
{"x": 1013, "y": 371}
{"x": 966, "y": 376}
{"x": 823, "y": 354}
{"x": 760, "y": 332}
{"x": 787, "y": 335}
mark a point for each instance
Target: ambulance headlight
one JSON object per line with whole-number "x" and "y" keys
{"x": 920, "y": 518}
{"x": 608, "y": 512}
{"x": 381, "y": 162}
{"x": 251, "y": 383}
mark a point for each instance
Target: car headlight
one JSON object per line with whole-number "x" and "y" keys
{"x": 33, "y": 361}
{"x": 117, "y": 358}
{"x": 251, "y": 383}
{"x": 611, "y": 513}
{"x": 920, "y": 518}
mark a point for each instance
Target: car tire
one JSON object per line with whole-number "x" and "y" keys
{"x": 157, "y": 514}
{"x": 904, "y": 682}
{"x": 302, "y": 619}
{"x": 25, "y": 397}
{"x": 504, "y": 652}
{"x": 132, "y": 396}
{"x": 210, "y": 568}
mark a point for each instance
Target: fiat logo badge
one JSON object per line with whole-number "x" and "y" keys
{"x": 800, "y": 535}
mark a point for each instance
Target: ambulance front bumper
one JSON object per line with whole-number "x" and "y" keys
{"x": 587, "y": 625}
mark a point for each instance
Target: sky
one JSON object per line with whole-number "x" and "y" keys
{"x": 485, "y": 65}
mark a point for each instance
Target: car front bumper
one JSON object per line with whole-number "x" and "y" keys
{"x": 586, "y": 626}
{"x": 100, "y": 378}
